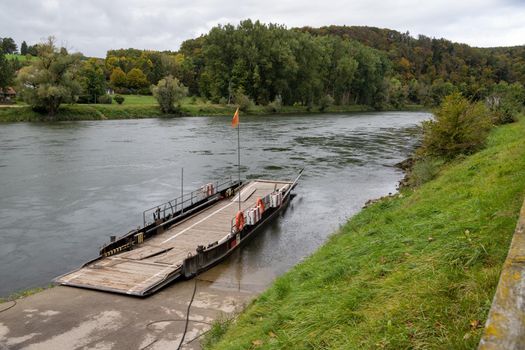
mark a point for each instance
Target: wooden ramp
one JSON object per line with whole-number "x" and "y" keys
{"x": 160, "y": 258}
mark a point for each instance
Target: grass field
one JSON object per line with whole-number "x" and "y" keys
{"x": 140, "y": 100}
{"x": 415, "y": 271}
{"x": 21, "y": 58}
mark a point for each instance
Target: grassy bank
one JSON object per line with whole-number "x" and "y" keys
{"x": 146, "y": 107}
{"x": 417, "y": 270}
{"x": 80, "y": 112}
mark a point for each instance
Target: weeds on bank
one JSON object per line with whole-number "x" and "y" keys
{"x": 25, "y": 293}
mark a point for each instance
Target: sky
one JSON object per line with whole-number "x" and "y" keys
{"x": 95, "y": 26}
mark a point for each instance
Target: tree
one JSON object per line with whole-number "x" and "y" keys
{"x": 168, "y": 92}
{"x": 136, "y": 79}
{"x": 32, "y": 50}
{"x": 6, "y": 71}
{"x": 345, "y": 72}
{"x": 439, "y": 90}
{"x": 397, "y": 93}
{"x": 23, "y": 48}
{"x": 9, "y": 45}
{"x": 93, "y": 79}
{"x": 51, "y": 80}
{"x": 117, "y": 78}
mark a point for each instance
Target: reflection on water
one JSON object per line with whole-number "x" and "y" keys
{"x": 66, "y": 187}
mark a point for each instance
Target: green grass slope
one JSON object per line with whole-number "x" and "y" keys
{"x": 417, "y": 271}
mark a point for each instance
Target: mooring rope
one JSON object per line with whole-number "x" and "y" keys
{"x": 186, "y": 321}
{"x": 11, "y": 306}
{"x": 188, "y": 311}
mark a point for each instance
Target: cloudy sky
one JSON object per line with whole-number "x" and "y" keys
{"x": 94, "y": 26}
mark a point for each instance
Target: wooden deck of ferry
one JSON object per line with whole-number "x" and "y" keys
{"x": 142, "y": 268}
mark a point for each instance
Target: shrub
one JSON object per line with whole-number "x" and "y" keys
{"x": 505, "y": 102}
{"x": 83, "y": 99}
{"x": 105, "y": 99}
{"x": 146, "y": 91}
{"x": 309, "y": 106}
{"x": 124, "y": 91}
{"x": 119, "y": 99}
{"x": 168, "y": 92}
{"x": 505, "y": 113}
{"x": 275, "y": 105}
{"x": 243, "y": 101}
{"x": 325, "y": 102}
{"x": 459, "y": 127}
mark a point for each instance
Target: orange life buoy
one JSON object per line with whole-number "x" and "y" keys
{"x": 210, "y": 191}
{"x": 260, "y": 204}
{"x": 239, "y": 221}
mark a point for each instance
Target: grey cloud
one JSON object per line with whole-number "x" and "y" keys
{"x": 94, "y": 26}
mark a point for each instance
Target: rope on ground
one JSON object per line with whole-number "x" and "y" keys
{"x": 176, "y": 320}
{"x": 186, "y": 320}
{"x": 11, "y": 306}
{"x": 188, "y": 314}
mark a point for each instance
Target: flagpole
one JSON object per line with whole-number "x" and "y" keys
{"x": 239, "y": 159}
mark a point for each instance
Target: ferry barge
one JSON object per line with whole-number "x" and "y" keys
{"x": 183, "y": 237}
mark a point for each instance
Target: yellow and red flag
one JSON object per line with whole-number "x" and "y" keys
{"x": 235, "y": 120}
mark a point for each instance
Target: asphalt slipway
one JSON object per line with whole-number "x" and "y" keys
{"x": 73, "y": 318}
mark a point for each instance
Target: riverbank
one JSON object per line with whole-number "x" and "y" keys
{"x": 23, "y": 113}
{"x": 417, "y": 270}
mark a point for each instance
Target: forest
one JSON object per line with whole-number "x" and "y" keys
{"x": 272, "y": 65}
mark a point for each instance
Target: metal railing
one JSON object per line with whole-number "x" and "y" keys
{"x": 169, "y": 209}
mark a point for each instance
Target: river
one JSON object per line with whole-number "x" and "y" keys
{"x": 66, "y": 187}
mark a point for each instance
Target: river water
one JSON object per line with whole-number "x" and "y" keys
{"x": 66, "y": 187}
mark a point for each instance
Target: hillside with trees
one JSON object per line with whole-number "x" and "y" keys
{"x": 426, "y": 66}
{"x": 253, "y": 63}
